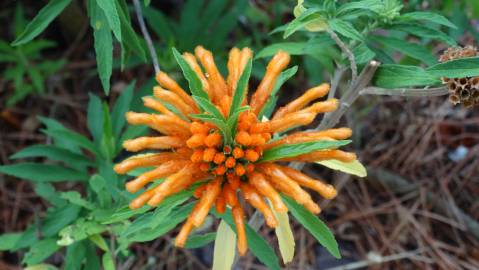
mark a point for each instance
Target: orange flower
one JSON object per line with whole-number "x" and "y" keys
{"x": 239, "y": 161}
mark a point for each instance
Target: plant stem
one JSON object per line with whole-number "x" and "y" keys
{"x": 146, "y": 35}
{"x": 349, "y": 54}
{"x": 405, "y": 92}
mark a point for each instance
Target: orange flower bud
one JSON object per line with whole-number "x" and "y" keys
{"x": 196, "y": 140}
{"x": 204, "y": 167}
{"x": 199, "y": 191}
{"x": 220, "y": 170}
{"x": 219, "y": 158}
{"x": 197, "y": 156}
{"x": 249, "y": 167}
{"x": 238, "y": 153}
{"x": 197, "y": 127}
{"x": 230, "y": 162}
{"x": 240, "y": 170}
{"x": 243, "y": 138}
{"x": 209, "y": 154}
{"x": 251, "y": 155}
{"x": 213, "y": 139}
{"x": 266, "y": 136}
{"x": 257, "y": 139}
{"x": 233, "y": 180}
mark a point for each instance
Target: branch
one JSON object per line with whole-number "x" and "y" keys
{"x": 335, "y": 81}
{"x": 405, "y": 92}
{"x": 146, "y": 35}
{"x": 331, "y": 119}
{"x": 349, "y": 54}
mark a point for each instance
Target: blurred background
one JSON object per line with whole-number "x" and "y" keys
{"x": 418, "y": 208}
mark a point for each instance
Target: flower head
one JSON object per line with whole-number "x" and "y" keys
{"x": 461, "y": 90}
{"x": 217, "y": 142}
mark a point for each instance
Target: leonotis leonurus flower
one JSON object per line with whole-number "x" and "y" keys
{"x": 461, "y": 90}
{"x": 196, "y": 151}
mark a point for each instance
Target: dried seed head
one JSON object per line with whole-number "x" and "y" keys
{"x": 461, "y": 90}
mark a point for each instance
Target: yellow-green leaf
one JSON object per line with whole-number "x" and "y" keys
{"x": 224, "y": 251}
{"x": 354, "y": 167}
{"x": 284, "y": 235}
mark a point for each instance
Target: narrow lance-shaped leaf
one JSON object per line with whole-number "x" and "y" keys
{"x": 314, "y": 225}
{"x": 258, "y": 246}
{"x": 194, "y": 82}
{"x": 54, "y": 153}
{"x": 292, "y": 150}
{"x": 111, "y": 14}
{"x": 103, "y": 44}
{"x": 225, "y": 245}
{"x": 41, "y": 21}
{"x": 36, "y": 172}
{"x": 458, "y": 68}
{"x": 241, "y": 87}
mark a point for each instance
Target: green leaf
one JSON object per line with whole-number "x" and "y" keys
{"x": 9, "y": 240}
{"x": 95, "y": 117}
{"x": 241, "y": 86}
{"x": 427, "y": 16}
{"x": 200, "y": 240}
{"x": 107, "y": 261}
{"x": 345, "y": 28}
{"x": 111, "y": 14}
{"x": 314, "y": 225}
{"x": 285, "y": 236}
{"x": 258, "y": 246}
{"x": 48, "y": 193}
{"x": 225, "y": 245}
{"x": 40, "y": 251}
{"x": 42, "y": 266}
{"x": 220, "y": 124}
{"x": 168, "y": 223}
{"x": 354, "y": 167}
{"x": 75, "y": 255}
{"x": 423, "y": 31}
{"x": 72, "y": 137}
{"x": 312, "y": 16}
{"x": 54, "y": 153}
{"x": 194, "y": 82}
{"x": 103, "y": 43}
{"x": 74, "y": 197}
{"x": 270, "y": 105}
{"x": 372, "y": 5}
{"x": 120, "y": 108}
{"x": 396, "y": 76}
{"x": 153, "y": 219}
{"x": 129, "y": 38}
{"x": 36, "y": 172}
{"x": 99, "y": 185}
{"x": 41, "y": 21}
{"x": 413, "y": 50}
{"x": 100, "y": 242}
{"x": 363, "y": 54}
{"x": 92, "y": 259}
{"x": 78, "y": 231}
{"x": 107, "y": 145}
{"x": 458, "y": 68}
{"x": 292, "y": 150}
{"x": 209, "y": 107}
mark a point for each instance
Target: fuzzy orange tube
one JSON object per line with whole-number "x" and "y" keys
{"x": 199, "y": 128}
{"x": 290, "y": 121}
{"x": 229, "y": 194}
{"x": 245, "y": 55}
{"x": 157, "y": 106}
{"x": 166, "y": 124}
{"x": 167, "y": 82}
{"x": 191, "y": 60}
{"x": 322, "y": 106}
{"x": 171, "y": 183}
{"x": 303, "y": 100}
{"x": 146, "y": 160}
{"x": 209, "y": 196}
{"x": 163, "y": 170}
{"x": 274, "y": 68}
{"x": 311, "y": 136}
{"x": 174, "y": 100}
{"x": 282, "y": 181}
{"x": 220, "y": 204}
{"x": 215, "y": 78}
{"x": 162, "y": 142}
{"x": 252, "y": 197}
{"x": 259, "y": 181}
{"x": 183, "y": 234}
{"x": 233, "y": 63}
{"x": 325, "y": 190}
{"x": 238, "y": 217}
